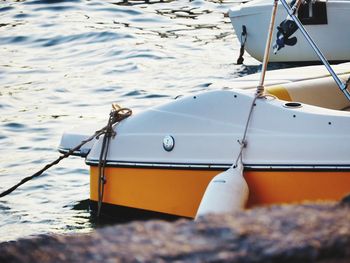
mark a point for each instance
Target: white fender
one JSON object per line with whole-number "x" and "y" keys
{"x": 227, "y": 192}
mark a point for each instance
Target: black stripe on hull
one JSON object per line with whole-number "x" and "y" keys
{"x": 224, "y": 167}
{"x": 123, "y": 214}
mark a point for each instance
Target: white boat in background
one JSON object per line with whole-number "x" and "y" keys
{"x": 327, "y": 22}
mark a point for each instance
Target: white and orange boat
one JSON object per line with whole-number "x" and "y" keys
{"x": 292, "y": 143}
{"x": 162, "y": 159}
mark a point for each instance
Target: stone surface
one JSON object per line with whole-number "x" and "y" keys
{"x": 286, "y": 233}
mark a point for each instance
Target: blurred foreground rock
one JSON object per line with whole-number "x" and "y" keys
{"x": 290, "y": 233}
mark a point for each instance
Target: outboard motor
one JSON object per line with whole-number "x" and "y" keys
{"x": 310, "y": 12}
{"x": 285, "y": 30}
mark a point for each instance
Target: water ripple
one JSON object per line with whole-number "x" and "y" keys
{"x": 151, "y": 96}
{"x": 55, "y": 8}
{"x": 6, "y": 8}
{"x": 43, "y": 2}
{"x": 126, "y": 68}
{"x": 127, "y": 11}
{"x": 140, "y": 2}
{"x": 22, "y": 16}
{"x": 4, "y": 207}
{"x": 13, "y": 40}
{"x": 14, "y": 126}
{"x": 84, "y": 38}
{"x": 134, "y": 93}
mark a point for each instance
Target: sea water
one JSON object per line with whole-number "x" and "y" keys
{"x": 64, "y": 62}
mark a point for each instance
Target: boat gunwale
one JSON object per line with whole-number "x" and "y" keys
{"x": 221, "y": 167}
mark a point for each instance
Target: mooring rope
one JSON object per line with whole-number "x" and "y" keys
{"x": 260, "y": 88}
{"x": 243, "y": 142}
{"x": 118, "y": 114}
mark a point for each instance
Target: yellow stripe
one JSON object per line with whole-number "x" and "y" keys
{"x": 179, "y": 192}
{"x": 176, "y": 192}
{"x": 272, "y": 187}
{"x": 280, "y": 92}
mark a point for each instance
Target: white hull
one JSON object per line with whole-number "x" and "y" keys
{"x": 332, "y": 38}
{"x": 206, "y": 126}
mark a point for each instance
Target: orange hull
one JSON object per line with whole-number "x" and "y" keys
{"x": 179, "y": 191}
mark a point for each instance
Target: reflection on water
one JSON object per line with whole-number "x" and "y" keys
{"x": 63, "y": 62}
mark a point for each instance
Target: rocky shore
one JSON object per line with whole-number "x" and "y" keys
{"x": 285, "y": 233}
